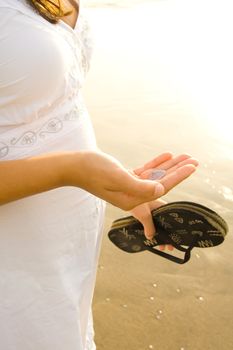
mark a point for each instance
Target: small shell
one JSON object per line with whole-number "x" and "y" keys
{"x": 157, "y": 174}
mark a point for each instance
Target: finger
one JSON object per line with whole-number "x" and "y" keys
{"x": 148, "y": 225}
{"x": 157, "y": 174}
{"x": 157, "y": 203}
{"x": 169, "y": 247}
{"x": 145, "y": 189}
{"x": 133, "y": 192}
{"x": 154, "y": 163}
{"x": 192, "y": 161}
{"x": 174, "y": 161}
{"x": 177, "y": 175}
{"x": 169, "y": 166}
{"x": 173, "y": 179}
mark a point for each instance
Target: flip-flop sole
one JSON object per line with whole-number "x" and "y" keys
{"x": 182, "y": 224}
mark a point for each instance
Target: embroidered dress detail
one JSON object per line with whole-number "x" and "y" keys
{"x": 25, "y": 142}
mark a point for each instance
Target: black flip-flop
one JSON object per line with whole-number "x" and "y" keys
{"x": 184, "y": 225}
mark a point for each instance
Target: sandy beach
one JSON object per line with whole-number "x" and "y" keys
{"x": 161, "y": 82}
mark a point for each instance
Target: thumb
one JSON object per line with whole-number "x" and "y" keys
{"x": 147, "y": 190}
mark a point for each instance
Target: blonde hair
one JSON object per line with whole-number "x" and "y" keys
{"x": 52, "y": 10}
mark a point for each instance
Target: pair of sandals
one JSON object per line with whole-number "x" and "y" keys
{"x": 184, "y": 225}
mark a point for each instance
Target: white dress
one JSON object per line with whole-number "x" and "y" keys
{"x": 50, "y": 242}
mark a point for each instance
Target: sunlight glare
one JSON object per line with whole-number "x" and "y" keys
{"x": 192, "y": 46}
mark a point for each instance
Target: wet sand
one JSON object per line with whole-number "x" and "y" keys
{"x": 148, "y": 93}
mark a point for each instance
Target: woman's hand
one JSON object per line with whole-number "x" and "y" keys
{"x": 162, "y": 166}
{"x": 106, "y": 178}
{"x": 96, "y": 172}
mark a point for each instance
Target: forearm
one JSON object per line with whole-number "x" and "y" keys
{"x": 93, "y": 171}
{"x": 25, "y": 177}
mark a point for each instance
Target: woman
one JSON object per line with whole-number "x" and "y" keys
{"x": 53, "y": 179}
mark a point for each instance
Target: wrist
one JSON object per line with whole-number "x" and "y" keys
{"x": 70, "y": 169}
